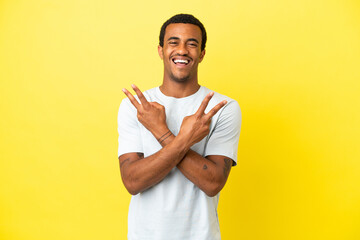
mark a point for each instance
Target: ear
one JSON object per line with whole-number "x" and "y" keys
{"x": 160, "y": 51}
{"x": 202, "y": 54}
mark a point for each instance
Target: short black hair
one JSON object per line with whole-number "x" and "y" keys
{"x": 183, "y": 18}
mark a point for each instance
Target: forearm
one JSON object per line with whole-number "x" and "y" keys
{"x": 141, "y": 174}
{"x": 206, "y": 173}
{"x": 201, "y": 171}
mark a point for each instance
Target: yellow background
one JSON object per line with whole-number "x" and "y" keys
{"x": 293, "y": 66}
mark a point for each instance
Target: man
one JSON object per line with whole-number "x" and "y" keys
{"x": 177, "y": 143}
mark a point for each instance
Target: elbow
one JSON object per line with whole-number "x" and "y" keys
{"x": 212, "y": 192}
{"x": 130, "y": 183}
{"x": 131, "y": 187}
{"x": 132, "y": 192}
{"x": 214, "y": 188}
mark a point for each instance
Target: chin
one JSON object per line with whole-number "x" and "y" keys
{"x": 180, "y": 79}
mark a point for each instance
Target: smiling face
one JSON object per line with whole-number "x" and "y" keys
{"x": 181, "y": 52}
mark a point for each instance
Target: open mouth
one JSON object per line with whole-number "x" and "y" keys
{"x": 182, "y": 62}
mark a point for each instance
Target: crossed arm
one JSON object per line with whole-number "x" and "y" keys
{"x": 209, "y": 174}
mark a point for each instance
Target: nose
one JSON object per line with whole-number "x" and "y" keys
{"x": 182, "y": 49}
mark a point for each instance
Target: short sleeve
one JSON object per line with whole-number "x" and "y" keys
{"x": 128, "y": 129}
{"x": 224, "y": 138}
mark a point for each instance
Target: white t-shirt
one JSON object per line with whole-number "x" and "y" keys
{"x": 175, "y": 208}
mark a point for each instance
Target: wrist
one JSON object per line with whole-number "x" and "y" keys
{"x": 164, "y": 137}
{"x": 182, "y": 142}
{"x": 160, "y": 132}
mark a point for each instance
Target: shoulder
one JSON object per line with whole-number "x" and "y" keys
{"x": 126, "y": 106}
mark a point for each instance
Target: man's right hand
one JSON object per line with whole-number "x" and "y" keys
{"x": 150, "y": 114}
{"x": 195, "y": 127}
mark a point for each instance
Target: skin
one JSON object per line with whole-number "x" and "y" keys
{"x": 208, "y": 173}
{"x": 182, "y": 41}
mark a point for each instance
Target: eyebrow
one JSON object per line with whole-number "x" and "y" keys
{"x": 190, "y": 39}
{"x": 193, "y": 39}
{"x": 173, "y": 38}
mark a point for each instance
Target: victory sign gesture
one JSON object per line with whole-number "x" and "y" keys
{"x": 152, "y": 115}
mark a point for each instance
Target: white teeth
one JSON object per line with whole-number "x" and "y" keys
{"x": 181, "y": 61}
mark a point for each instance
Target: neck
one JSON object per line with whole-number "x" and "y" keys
{"x": 179, "y": 89}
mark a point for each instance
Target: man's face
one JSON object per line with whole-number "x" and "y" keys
{"x": 181, "y": 52}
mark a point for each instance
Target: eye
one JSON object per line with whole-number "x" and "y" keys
{"x": 193, "y": 44}
{"x": 172, "y": 43}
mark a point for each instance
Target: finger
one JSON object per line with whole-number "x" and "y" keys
{"x": 140, "y": 95}
{"x": 214, "y": 110}
{"x": 131, "y": 98}
{"x": 204, "y": 104}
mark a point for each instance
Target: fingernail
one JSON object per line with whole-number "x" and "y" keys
{"x": 211, "y": 93}
{"x": 225, "y": 102}
{"x": 133, "y": 85}
{"x": 124, "y": 90}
